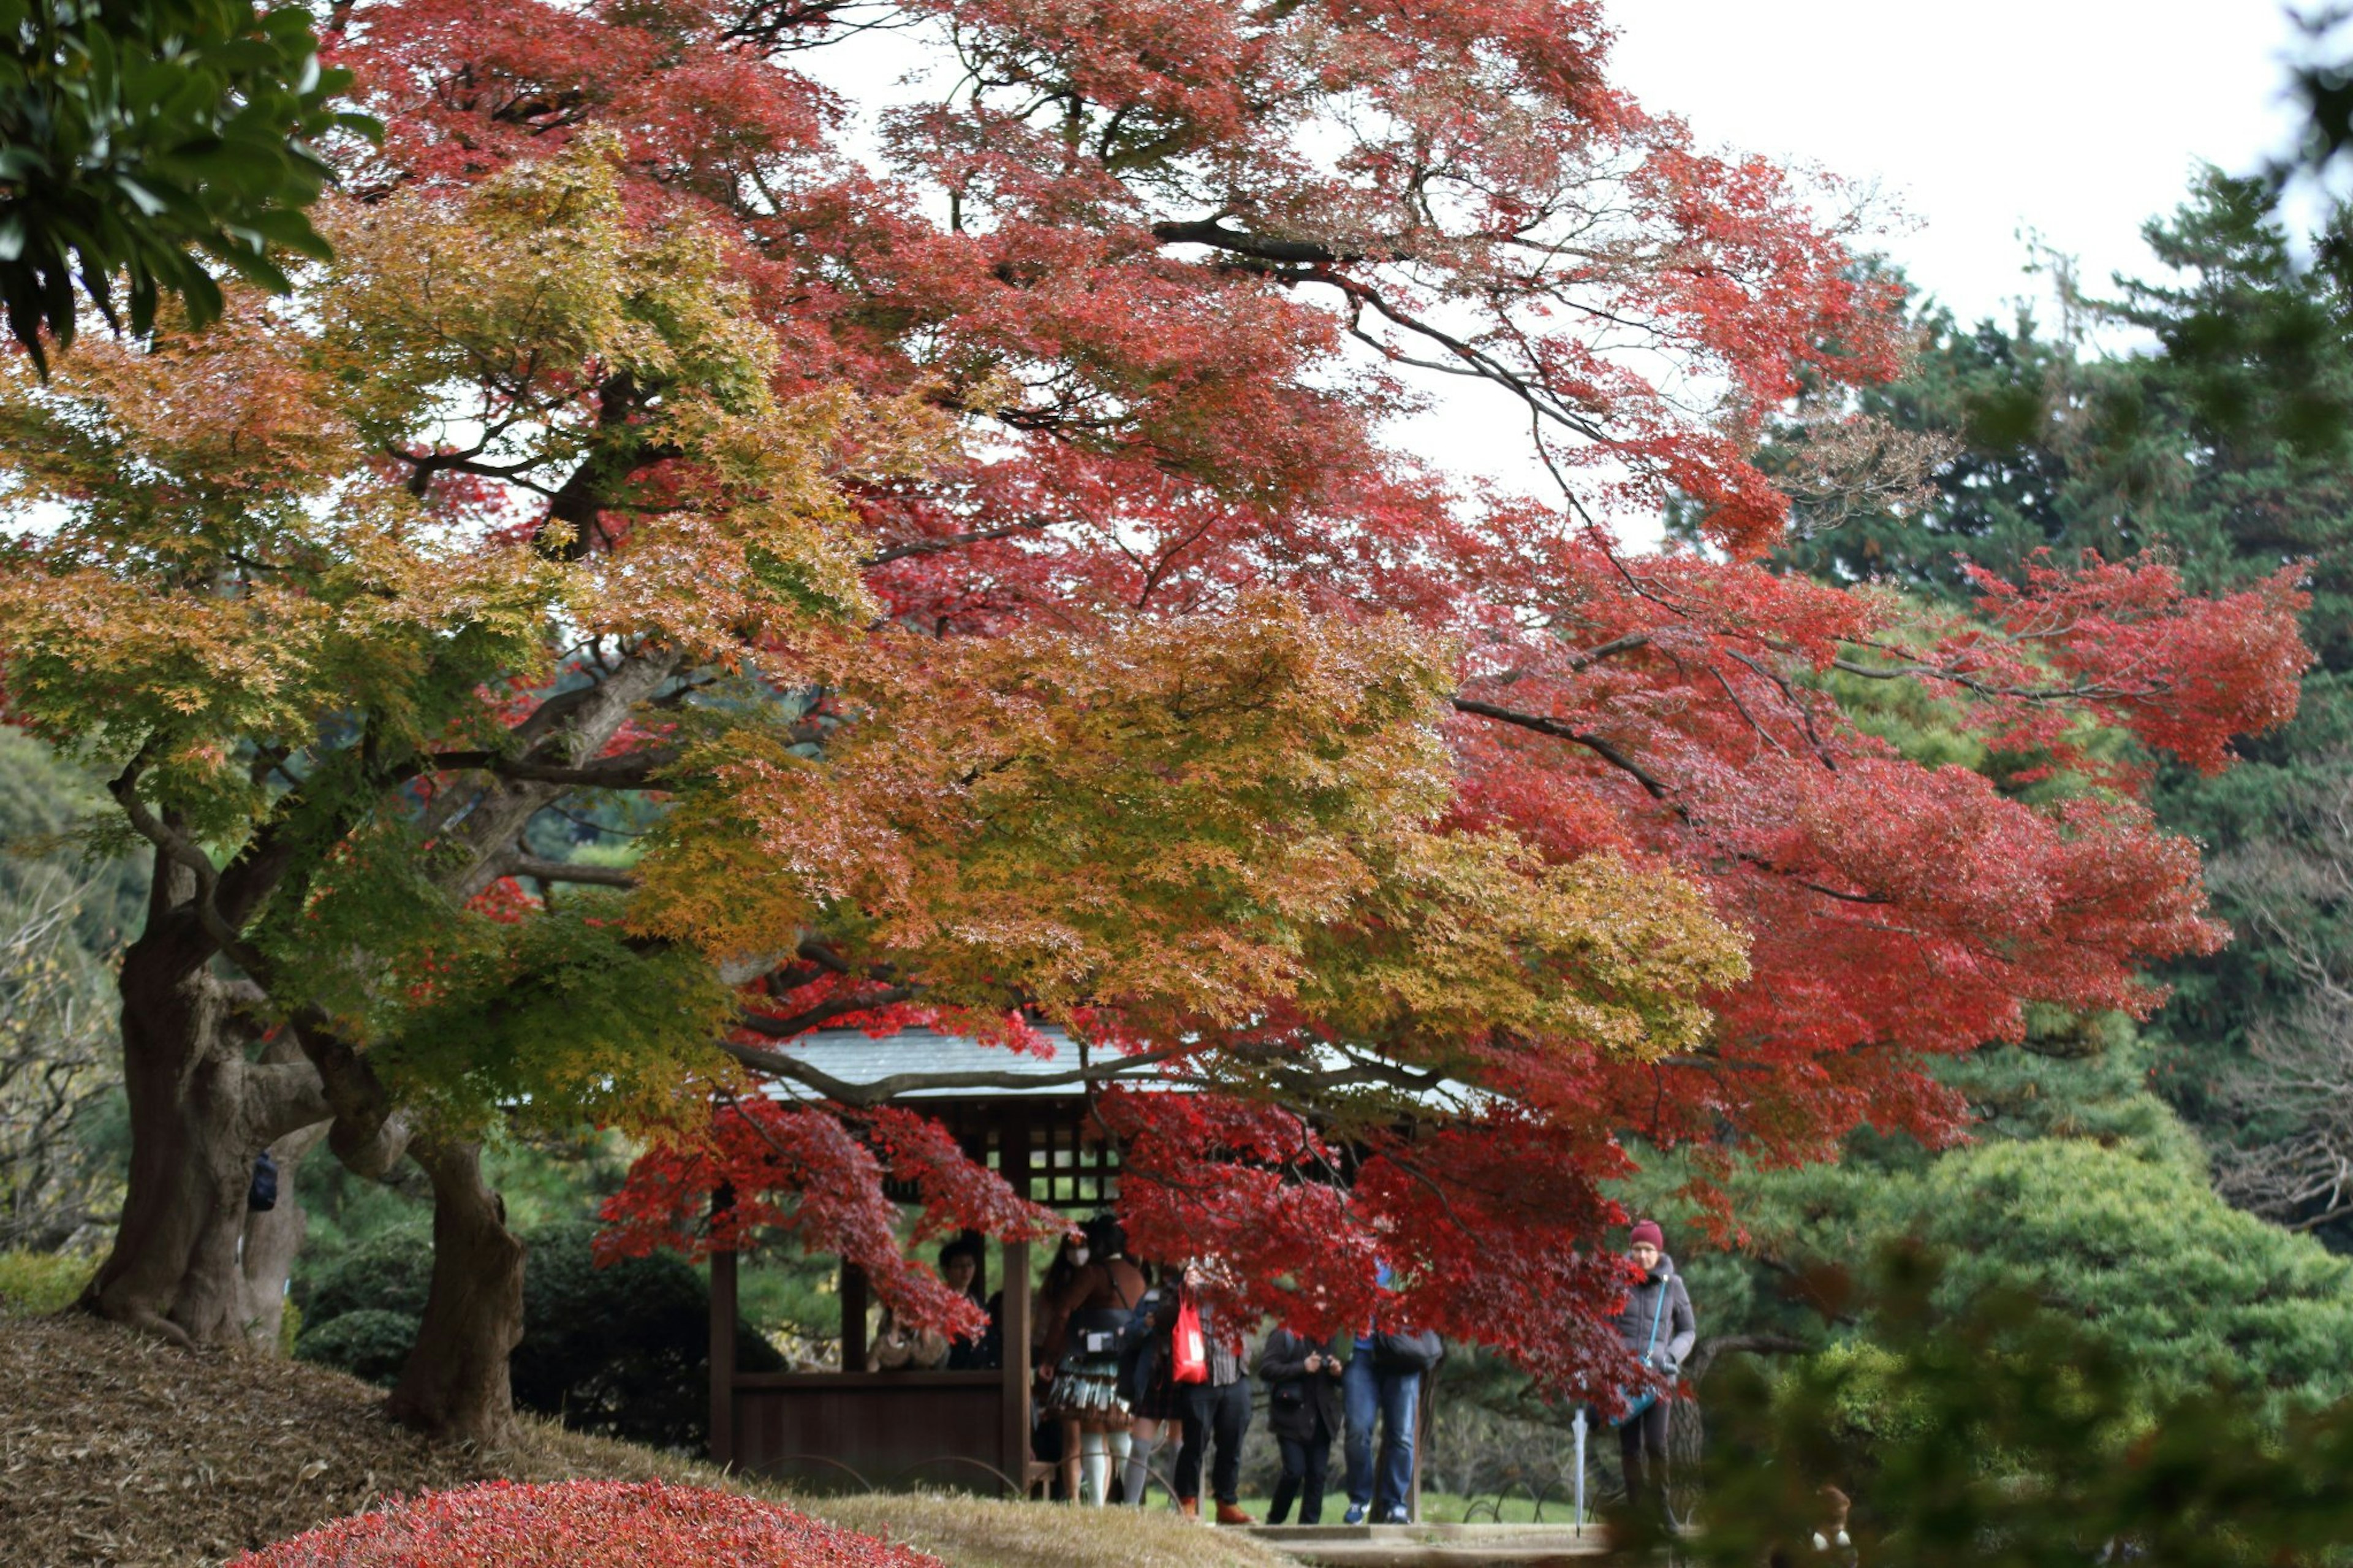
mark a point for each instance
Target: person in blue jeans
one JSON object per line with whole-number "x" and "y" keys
{"x": 1392, "y": 1396}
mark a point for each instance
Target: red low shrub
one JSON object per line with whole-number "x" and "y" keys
{"x": 584, "y": 1524}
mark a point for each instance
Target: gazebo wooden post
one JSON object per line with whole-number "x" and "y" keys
{"x": 721, "y": 1439}
{"x": 853, "y": 1317}
{"x": 1013, "y": 1333}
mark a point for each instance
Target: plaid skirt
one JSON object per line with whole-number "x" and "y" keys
{"x": 1087, "y": 1388}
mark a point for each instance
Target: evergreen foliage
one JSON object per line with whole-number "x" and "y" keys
{"x": 2225, "y": 449}
{"x": 1987, "y": 1429}
{"x": 371, "y": 1343}
{"x": 144, "y": 142}
{"x": 622, "y": 1351}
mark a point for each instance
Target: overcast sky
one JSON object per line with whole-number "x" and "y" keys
{"x": 2080, "y": 119}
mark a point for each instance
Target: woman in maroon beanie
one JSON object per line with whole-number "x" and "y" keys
{"x": 1657, "y": 1327}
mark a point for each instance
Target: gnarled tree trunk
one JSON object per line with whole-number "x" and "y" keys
{"x": 200, "y": 1114}
{"x": 273, "y": 1236}
{"x": 456, "y": 1383}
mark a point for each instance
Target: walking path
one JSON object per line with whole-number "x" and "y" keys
{"x": 1430, "y": 1545}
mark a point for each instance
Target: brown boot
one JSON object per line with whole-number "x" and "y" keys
{"x": 1229, "y": 1514}
{"x": 1190, "y": 1506}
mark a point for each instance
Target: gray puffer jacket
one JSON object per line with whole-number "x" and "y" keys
{"x": 1678, "y": 1329}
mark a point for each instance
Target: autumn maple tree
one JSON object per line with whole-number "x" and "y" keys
{"x": 980, "y": 530}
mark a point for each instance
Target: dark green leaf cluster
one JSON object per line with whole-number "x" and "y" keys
{"x": 138, "y": 138}
{"x": 552, "y": 1020}
{"x": 622, "y": 1351}
{"x": 2226, "y": 445}
{"x": 2008, "y": 1436}
{"x": 2082, "y": 1188}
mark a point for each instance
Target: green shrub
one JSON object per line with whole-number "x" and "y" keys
{"x": 368, "y": 1343}
{"x": 389, "y": 1272}
{"x": 2004, "y": 1431}
{"x": 2142, "y": 1254}
{"x": 36, "y": 1282}
{"x": 623, "y": 1350}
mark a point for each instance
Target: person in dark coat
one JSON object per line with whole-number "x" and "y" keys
{"x": 1658, "y": 1329}
{"x": 1303, "y": 1386}
{"x": 960, "y": 1263}
{"x": 1145, "y": 1385}
{"x": 1217, "y": 1411}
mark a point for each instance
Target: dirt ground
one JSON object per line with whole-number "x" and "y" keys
{"x": 118, "y": 1451}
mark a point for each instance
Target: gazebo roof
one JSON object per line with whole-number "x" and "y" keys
{"x": 854, "y": 1056}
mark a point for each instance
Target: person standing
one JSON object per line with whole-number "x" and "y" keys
{"x": 1382, "y": 1386}
{"x": 1216, "y": 1409}
{"x": 1144, "y": 1383}
{"x": 1302, "y": 1408}
{"x": 960, "y": 1262}
{"x": 1081, "y": 1360}
{"x": 1657, "y": 1327}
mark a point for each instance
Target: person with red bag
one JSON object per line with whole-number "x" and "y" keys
{"x": 1205, "y": 1364}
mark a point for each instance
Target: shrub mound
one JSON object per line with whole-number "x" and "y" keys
{"x": 584, "y": 1524}
{"x": 623, "y": 1350}
{"x": 368, "y": 1344}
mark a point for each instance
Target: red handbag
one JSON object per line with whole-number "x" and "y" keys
{"x": 1189, "y": 1361}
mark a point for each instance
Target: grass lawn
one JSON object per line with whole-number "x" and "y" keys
{"x": 119, "y": 1451}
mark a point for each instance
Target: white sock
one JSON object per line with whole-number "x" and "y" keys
{"x": 1121, "y": 1445}
{"x": 1094, "y": 1469}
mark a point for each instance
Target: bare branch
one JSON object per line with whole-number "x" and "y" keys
{"x": 953, "y": 541}
{"x": 1554, "y": 728}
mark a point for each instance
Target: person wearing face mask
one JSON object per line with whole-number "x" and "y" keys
{"x": 1081, "y": 1357}
{"x": 1658, "y": 1329}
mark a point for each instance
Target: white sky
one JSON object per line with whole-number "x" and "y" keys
{"x": 1977, "y": 122}
{"x": 2079, "y": 119}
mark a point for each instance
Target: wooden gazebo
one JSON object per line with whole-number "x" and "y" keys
{"x": 894, "y": 1429}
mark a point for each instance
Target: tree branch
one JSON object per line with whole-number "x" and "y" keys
{"x": 1554, "y": 728}
{"x": 1213, "y": 233}
{"x": 953, "y": 541}
{"x": 185, "y": 852}
{"x": 631, "y": 770}
{"x": 825, "y": 1012}
{"x": 567, "y": 872}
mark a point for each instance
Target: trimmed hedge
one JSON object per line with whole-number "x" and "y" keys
{"x": 389, "y": 1272}
{"x": 622, "y": 1351}
{"x": 584, "y": 1524}
{"x": 368, "y": 1344}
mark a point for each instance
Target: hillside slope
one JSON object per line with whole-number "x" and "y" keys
{"x": 121, "y": 1452}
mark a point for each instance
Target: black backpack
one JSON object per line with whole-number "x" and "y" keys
{"x": 1408, "y": 1352}
{"x": 1135, "y": 1337}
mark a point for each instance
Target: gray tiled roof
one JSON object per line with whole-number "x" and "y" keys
{"x": 855, "y": 1056}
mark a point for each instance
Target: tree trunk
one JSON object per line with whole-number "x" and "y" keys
{"x": 455, "y": 1385}
{"x": 272, "y": 1239}
{"x": 200, "y": 1113}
